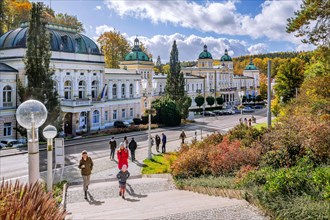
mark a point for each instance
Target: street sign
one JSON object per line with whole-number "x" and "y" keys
{"x": 59, "y": 151}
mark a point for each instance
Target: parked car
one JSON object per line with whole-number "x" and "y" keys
{"x": 218, "y": 112}
{"x": 137, "y": 121}
{"x": 229, "y": 112}
{"x": 120, "y": 124}
{"x": 2, "y": 146}
{"x": 208, "y": 113}
{"x": 236, "y": 110}
{"x": 258, "y": 107}
{"x": 248, "y": 109}
{"x": 9, "y": 142}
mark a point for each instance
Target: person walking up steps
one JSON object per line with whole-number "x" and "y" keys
{"x": 122, "y": 155}
{"x": 164, "y": 143}
{"x": 122, "y": 177}
{"x": 183, "y": 136}
{"x": 132, "y": 147}
{"x": 86, "y": 166}
{"x": 113, "y": 146}
{"x": 157, "y": 142}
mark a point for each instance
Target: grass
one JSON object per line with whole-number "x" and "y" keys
{"x": 159, "y": 164}
{"x": 260, "y": 126}
{"x": 221, "y": 182}
{"x": 58, "y": 191}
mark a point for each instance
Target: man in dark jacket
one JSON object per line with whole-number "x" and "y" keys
{"x": 132, "y": 147}
{"x": 122, "y": 177}
{"x": 157, "y": 142}
{"x": 86, "y": 166}
{"x": 113, "y": 146}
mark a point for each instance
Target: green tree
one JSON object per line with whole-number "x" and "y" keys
{"x": 199, "y": 100}
{"x": 219, "y": 100}
{"x": 159, "y": 65}
{"x": 68, "y": 20}
{"x": 289, "y": 78}
{"x": 175, "y": 80}
{"x": 183, "y": 106}
{"x": 114, "y": 46}
{"x": 210, "y": 100}
{"x": 167, "y": 112}
{"x": 312, "y": 21}
{"x": 40, "y": 84}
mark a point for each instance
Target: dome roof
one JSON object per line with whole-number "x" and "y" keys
{"x": 226, "y": 57}
{"x": 205, "y": 54}
{"x": 251, "y": 66}
{"x": 62, "y": 39}
{"x": 136, "y": 53}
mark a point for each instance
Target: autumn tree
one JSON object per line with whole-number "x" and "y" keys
{"x": 312, "y": 21}
{"x": 114, "y": 46}
{"x": 145, "y": 49}
{"x": 39, "y": 75}
{"x": 289, "y": 78}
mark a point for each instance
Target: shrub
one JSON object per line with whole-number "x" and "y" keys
{"x": 247, "y": 135}
{"x": 210, "y": 100}
{"x": 18, "y": 201}
{"x": 228, "y": 157}
{"x": 199, "y": 100}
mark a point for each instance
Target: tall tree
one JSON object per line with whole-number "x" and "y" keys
{"x": 313, "y": 22}
{"x": 289, "y": 78}
{"x": 40, "y": 83}
{"x": 175, "y": 79}
{"x": 159, "y": 65}
{"x": 114, "y": 47}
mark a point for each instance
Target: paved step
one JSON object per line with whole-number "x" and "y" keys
{"x": 135, "y": 187}
{"x": 164, "y": 205}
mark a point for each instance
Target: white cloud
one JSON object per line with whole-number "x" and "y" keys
{"x": 258, "y": 48}
{"x": 305, "y": 47}
{"x": 217, "y": 17}
{"x": 103, "y": 28}
{"x": 98, "y": 7}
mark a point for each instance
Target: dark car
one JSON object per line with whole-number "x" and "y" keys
{"x": 258, "y": 107}
{"x": 119, "y": 124}
{"x": 248, "y": 109}
{"x": 218, "y": 112}
{"x": 137, "y": 121}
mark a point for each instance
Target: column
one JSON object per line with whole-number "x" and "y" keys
{"x": 88, "y": 122}
{"x": 127, "y": 89}
{"x": 74, "y": 124}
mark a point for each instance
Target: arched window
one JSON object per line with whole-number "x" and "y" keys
{"x": 114, "y": 91}
{"x": 81, "y": 89}
{"x": 96, "y": 117}
{"x": 123, "y": 90}
{"x": 131, "y": 90}
{"x": 95, "y": 89}
{"x": 6, "y": 97}
{"x": 67, "y": 90}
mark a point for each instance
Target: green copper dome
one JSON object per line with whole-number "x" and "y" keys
{"x": 226, "y": 57}
{"x": 251, "y": 66}
{"x": 205, "y": 54}
{"x": 136, "y": 53}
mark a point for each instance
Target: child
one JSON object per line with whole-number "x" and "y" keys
{"x": 122, "y": 176}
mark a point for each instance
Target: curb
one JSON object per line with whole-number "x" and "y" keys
{"x": 113, "y": 179}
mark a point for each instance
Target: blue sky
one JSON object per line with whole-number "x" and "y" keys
{"x": 243, "y": 27}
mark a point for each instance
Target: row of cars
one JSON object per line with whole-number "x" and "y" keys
{"x": 10, "y": 142}
{"x": 231, "y": 111}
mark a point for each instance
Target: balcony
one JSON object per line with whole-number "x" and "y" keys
{"x": 76, "y": 103}
{"x": 7, "y": 104}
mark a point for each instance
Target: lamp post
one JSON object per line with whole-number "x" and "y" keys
{"x": 31, "y": 115}
{"x": 49, "y": 133}
{"x": 149, "y": 85}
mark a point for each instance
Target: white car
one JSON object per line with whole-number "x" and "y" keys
{"x": 9, "y": 142}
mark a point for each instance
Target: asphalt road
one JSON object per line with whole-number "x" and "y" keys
{"x": 17, "y": 165}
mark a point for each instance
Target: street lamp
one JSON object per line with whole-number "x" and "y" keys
{"x": 149, "y": 85}
{"x": 49, "y": 133}
{"x": 241, "y": 94}
{"x": 31, "y": 115}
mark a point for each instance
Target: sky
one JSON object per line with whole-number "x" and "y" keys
{"x": 241, "y": 26}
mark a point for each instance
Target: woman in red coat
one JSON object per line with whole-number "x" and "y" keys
{"x": 122, "y": 155}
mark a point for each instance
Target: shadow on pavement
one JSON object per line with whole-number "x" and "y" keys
{"x": 139, "y": 164}
{"x": 131, "y": 192}
{"x": 92, "y": 201}
{"x": 132, "y": 200}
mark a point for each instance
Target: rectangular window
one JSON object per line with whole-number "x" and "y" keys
{"x": 131, "y": 112}
{"x": 123, "y": 113}
{"x": 106, "y": 115}
{"x": 7, "y": 129}
{"x": 114, "y": 114}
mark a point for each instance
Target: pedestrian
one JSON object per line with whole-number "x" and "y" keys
{"x": 86, "y": 166}
{"x": 122, "y": 155}
{"x": 113, "y": 146}
{"x": 245, "y": 121}
{"x": 126, "y": 142}
{"x": 132, "y": 147}
{"x": 122, "y": 177}
{"x": 250, "y": 122}
{"x": 157, "y": 138}
{"x": 240, "y": 120}
{"x": 183, "y": 136}
{"x": 164, "y": 143}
